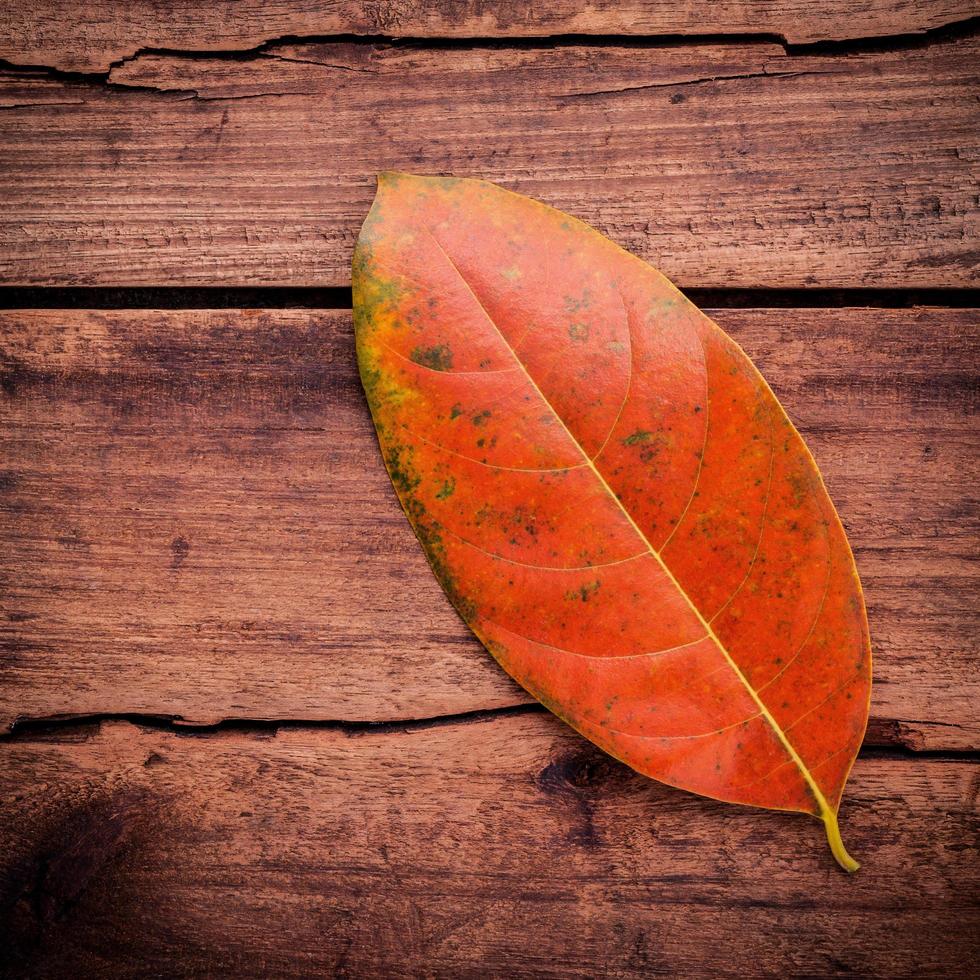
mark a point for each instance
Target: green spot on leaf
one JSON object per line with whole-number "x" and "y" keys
{"x": 437, "y": 358}
{"x": 584, "y": 592}
{"x": 641, "y": 435}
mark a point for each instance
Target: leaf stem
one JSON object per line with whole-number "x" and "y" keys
{"x": 836, "y": 844}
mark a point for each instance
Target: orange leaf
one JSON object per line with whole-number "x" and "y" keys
{"x": 612, "y": 496}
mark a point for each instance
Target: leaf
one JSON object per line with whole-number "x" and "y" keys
{"x": 612, "y": 497}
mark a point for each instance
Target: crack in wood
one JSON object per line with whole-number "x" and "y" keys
{"x": 967, "y": 27}
{"x": 886, "y": 738}
{"x": 689, "y": 82}
{"x": 28, "y": 729}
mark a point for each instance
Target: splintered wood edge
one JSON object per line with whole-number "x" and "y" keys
{"x": 95, "y": 35}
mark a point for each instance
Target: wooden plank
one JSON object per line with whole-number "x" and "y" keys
{"x": 503, "y": 847}
{"x": 725, "y": 165}
{"x": 90, "y": 36}
{"x": 197, "y": 523}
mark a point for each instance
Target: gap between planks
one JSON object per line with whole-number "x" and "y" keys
{"x": 339, "y": 298}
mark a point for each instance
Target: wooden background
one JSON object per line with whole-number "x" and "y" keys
{"x": 244, "y": 734}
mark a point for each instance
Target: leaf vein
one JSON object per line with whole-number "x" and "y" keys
{"x": 629, "y": 380}
{"x": 451, "y": 374}
{"x": 544, "y": 568}
{"x": 595, "y": 656}
{"x": 837, "y": 690}
{"x": 679, "y": 738}
{"x": 492, "y": 466}
{"x": 762, "y": 524}
{"x": 806, "y": 639}
{"x": 704, "y": 447}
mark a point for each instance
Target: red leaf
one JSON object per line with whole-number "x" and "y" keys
{"x": 612, "y": 496}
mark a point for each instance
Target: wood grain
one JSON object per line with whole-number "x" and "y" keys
{"x": 197, "y": 522}
{"x": 90, "y": 36}
{"x": 503, "y": 847}
{"x": 725, "y": 165}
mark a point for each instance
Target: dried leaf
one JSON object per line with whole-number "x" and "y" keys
{"x": 612, "y": 497}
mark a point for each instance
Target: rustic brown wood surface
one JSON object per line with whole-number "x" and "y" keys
{"x": 505, "y": 846}
{"x": 199, "y": 523}
{"x": 724, "y": 165}
{"x": 89, "y": 35}
{"x": 195, "y": 524}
